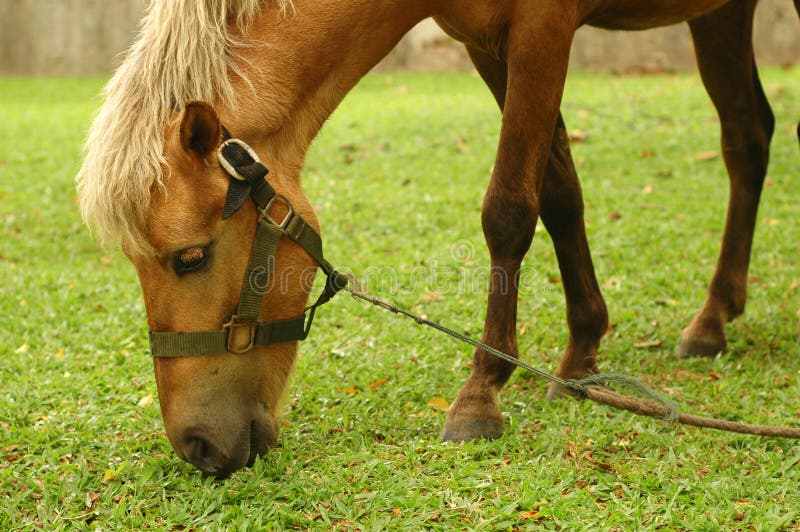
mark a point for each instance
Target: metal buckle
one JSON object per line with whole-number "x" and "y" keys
{"x": 227, "y": 165}
{"x": 233, "y": 329}
{"x": 286, "y": 219}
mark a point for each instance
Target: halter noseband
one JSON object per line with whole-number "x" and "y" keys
{"x": 243, "y": 332}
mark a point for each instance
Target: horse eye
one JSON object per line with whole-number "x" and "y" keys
{"x": 190, "y": 260}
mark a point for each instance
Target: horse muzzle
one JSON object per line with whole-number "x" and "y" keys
{"x": 219, "y": 453}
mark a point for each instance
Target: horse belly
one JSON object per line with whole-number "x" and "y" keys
{"x": 638, "y": 15}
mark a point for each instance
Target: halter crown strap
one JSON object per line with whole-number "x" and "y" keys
{"x": 243, "y": 332}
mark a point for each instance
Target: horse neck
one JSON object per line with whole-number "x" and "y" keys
{"x": 303, "y": 65}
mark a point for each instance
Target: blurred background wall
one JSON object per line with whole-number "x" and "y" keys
{"x": 86, "y": 37}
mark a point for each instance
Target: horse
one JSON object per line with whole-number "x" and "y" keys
{"x": 213, "y": 87}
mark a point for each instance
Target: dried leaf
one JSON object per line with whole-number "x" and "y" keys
{"x": 105, "y": 261}
{"x": 614, "y": 215}
{"x": 91, "y": 500}
{"x": 351, "y": 389}
{"x": 147, "y": 400}
{"x": 59, "y": 352}
{"x": 109, "y": 475}
{"x": 377, "y": 384}
{"x": 533, "y": 514}
{"x": 430, "y": 297}
{"x": 396, "y": 512}
{"x": 439, "y": 404}
{"x": 577, "y": 135}
{"x": 651, "y": 343}
{"x": 21, "y": 350}
{"x": 706, "y": 155}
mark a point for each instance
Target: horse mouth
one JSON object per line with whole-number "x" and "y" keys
{"x": 210, "y": 456}
{"x": 255, "y": 443}
{"x": 263, "y": 436}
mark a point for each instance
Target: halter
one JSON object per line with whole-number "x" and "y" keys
{"x": 243, "y": 332}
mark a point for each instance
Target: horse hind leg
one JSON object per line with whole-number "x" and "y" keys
{"x": 723, "y": 46}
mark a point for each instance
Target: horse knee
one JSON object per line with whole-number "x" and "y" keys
{"x": 589, "y": 320}
{"x": 509, "y": 222}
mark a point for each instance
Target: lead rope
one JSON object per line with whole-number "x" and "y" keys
{"x": 591, "y": 387}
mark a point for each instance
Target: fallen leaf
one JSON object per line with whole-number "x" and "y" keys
{"x": 430, "y": 297}
{"x": 533, "y": 514}
{"x": 713, "y": 376}
{"x": 396, "y": 512}
{"x": 646, "y": 154}
{"x": 439, "y": 404}
{"x": 377, "y": 384}
{"x": 648, "y": 189}
{"x": 109, "y": 475}
{"x": 59, "y": 352}
{"x": 21, "y": 350}
{"x": 147, "y": 400}
{"x": 577, "y": 135}
{"x": 91, "y": 500}
{"x": 651, "y": 343}
{"x": 351, "y": 389}
{"x": 105, "y": 261}
{"x": 461, "y": 144}
{"x": 706, "y": 155}
{"x": 614, "y": 215}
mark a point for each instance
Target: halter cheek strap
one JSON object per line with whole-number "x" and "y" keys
{"x": 243, "y": 331}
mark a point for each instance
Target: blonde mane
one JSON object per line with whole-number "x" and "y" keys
{"x": 185, "y": 50}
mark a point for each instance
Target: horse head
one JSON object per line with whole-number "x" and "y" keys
{"x": 219, "y": 408}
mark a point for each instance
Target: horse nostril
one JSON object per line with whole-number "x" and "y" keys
{"x": 197, "y": 450}
{"x": 208, "y": 457}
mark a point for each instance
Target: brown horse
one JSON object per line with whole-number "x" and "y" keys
{"x": 271, "y": 73}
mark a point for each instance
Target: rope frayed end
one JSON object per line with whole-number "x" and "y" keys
{"x": 672, "y": 411}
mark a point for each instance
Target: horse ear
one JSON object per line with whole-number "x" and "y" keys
{"x": 201, "y": 130}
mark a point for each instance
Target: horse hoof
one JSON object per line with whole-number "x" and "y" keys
{"x": 557, "y": 391}
{"x": 704, "y": 347}
{"x": 472, "y": 429}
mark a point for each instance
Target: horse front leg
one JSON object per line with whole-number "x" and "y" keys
{"x": 562, "y": 214}
{"x": 536, "y": 70}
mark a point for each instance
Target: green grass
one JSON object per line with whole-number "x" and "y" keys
{"x": 397, "y": 178}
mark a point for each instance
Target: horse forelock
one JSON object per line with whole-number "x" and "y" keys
{"x": 185, "y": 51}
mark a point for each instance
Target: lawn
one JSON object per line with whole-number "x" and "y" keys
{"x": 397, "y": 177}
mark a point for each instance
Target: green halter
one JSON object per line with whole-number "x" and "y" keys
{"x": 243, "y": 332}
